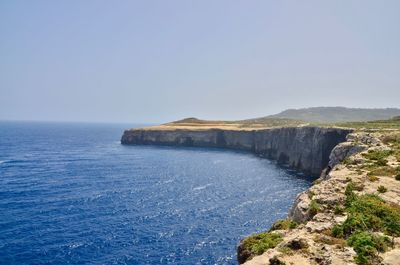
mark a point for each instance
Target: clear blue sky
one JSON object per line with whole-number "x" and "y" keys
{"x": 156, "y": 61}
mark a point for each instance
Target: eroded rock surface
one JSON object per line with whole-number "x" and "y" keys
{"x": 306, "y": 148}
{"x": 348, "y": 164}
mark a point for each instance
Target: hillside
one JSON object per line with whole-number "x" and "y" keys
{"x": 335, "y": 114}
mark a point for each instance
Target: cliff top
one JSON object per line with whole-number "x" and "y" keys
{"x": 248, "y": 125}
{"x": 351, "y": 215}
{"x": 358, "y": 118}
{"x": 337, "y": 114}
{"x": 197, "y": 124}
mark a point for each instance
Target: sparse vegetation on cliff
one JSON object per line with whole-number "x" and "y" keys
{"x": 367, "y": 246}
{"x": 259, "y": 243}
{"x": 315, "y": 207}
{"x": 284, "y": 224}
{"x": 393, "y": 123}
{"x": 368, "y": 215}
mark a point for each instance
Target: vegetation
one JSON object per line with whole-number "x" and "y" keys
{"x": 320, "y": 116}
{"x": 382, "y": 171}
{"x": 372, "y": 178}
{"x": 367, "y": 246}
{"x": 265, "y": 122}
{"x": 337, "y": 114}
{"x": 397, "y": 177}
{"x": 382, "y": 189}
{"x": 259, "y": 243}
{"x": 284, "y": 224}
{"x": 367, "y": 214}
{"x": 315, "y": 207}
{"x": 379, "y": 156}
{"x": 329, "y": 240}
{"x": 393, "y": 140}
{"x": 339, "y": 210}
{"x": 373, "y": 124}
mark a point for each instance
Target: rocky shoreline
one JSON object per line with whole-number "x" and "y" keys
{"x": 321, "y": 211}
{"x": 305, "y": 149}
{"x": 365, "y": 162}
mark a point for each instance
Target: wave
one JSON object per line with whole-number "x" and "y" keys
{"x": 202, "y": 187}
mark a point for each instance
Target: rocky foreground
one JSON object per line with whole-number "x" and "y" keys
{"x": 351, "y": 215}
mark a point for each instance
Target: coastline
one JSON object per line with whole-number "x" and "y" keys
{"x": 313, "y": 212}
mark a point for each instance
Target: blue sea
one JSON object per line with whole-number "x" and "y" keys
{"x": 70, "y": 193}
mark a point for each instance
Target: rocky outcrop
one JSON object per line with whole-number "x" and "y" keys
{"x": 306, "y": 149}
{"x": 349, "y": 163}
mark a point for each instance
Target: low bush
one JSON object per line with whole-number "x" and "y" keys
{"x": 339, "y": 210}
{"x": 382, "y": 171}
{"x": 382, "y": 189}
{"x": 373, "y": 178}
{"x": 397, "y": 177}
{"x": 381, "y": 162}
{"x": 259, "y": 243}
{"x": 367, "y": 246}
{"x": 367, "y": 214}
{"x": 284, "y": 224}
{"x": 378, "y": 155}
{"x": 315, "y": 207}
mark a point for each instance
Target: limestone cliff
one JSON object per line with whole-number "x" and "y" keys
{"x": 306, "y": 149}
{"x": 351, "y": 215}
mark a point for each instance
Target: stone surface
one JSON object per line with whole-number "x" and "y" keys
{"x": 306, "y": 149}
{"x": 328, "y": 192}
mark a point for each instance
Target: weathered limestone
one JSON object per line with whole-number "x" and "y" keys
{"x": 329, "y": 192}
{"x": 306, "y": 149}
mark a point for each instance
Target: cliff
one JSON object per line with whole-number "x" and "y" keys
{"x": 305, "y": 149}
{"x": 351, "y": 215}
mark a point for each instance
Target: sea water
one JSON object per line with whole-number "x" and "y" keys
{"x": 72, "y": 194}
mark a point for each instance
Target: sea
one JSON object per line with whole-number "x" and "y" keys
{"x": 70, "y": 193}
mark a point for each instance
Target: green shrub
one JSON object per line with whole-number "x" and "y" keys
{"x": 378, "y": 154}
{"x": 349, "y": 161}
{"x": 373, "y": 178}
{"x": 259, "y": 243}
{"x": 349, "y": 192}
{"x": 382, "y": 171}
{"x": 284, "y": 224}
{"x": 337, "y": 231}
{"x": 369, "y": 213}
{"x": 397, "y": 177}
{"x": 381, "y": 162}
{"x": 339, "y": 210}
{"x": 367, "y": 246}
{"x": 315, "y": 207}
{"x": 382, "y": 189}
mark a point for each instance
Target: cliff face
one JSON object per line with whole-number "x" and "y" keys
{"x": 341, "y": 206}
{"x": 306, "y": 149}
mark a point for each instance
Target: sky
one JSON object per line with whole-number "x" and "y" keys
{"x": 157, "y": 61}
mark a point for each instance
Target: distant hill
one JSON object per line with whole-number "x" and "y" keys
{"x": 335, "y": 114}
{"x": 299, "y": 117}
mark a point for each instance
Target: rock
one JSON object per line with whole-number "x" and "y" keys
{"x": 342, "y": 151}
{"x": 276, "y": 261}
{"x": 391, "y": 257}
{"x": 242, "y": 253}
{"x": 297, "y": 243}
{"x": 299, "y": 212}
{"x": 317, "y": 227}
{"x": 306, "y": 149}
